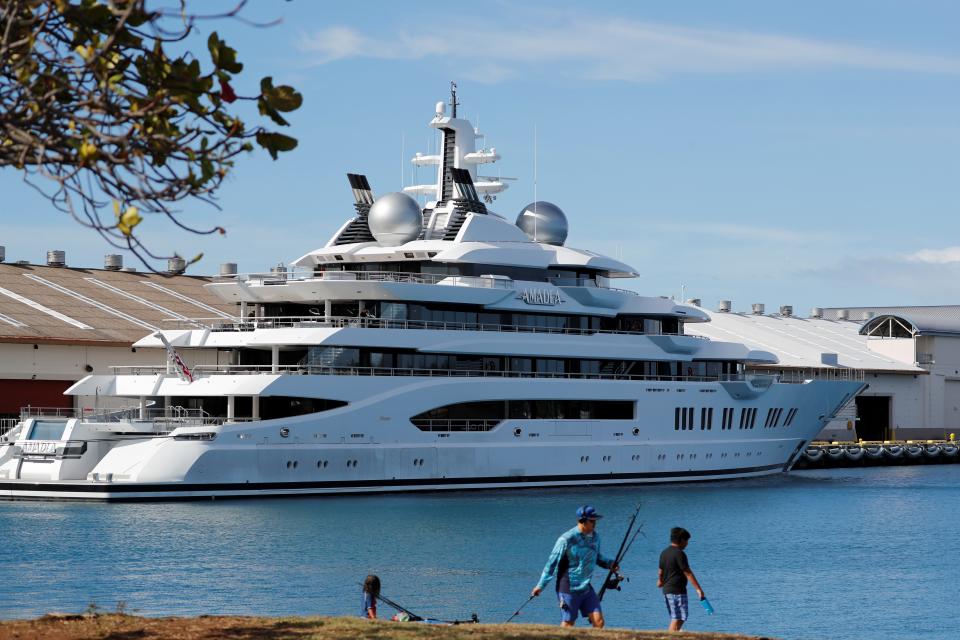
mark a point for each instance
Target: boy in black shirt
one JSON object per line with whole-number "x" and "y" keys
{"x": 673, "y": 576}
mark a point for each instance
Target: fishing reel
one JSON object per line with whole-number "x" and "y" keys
{"x": 613, "y": 582}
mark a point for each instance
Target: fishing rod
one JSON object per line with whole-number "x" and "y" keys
{"x": 390, "y": 603}
{"x": 517, "y": 612}
{"x": 415, "y": 618}
{"x": 613, "y": 579}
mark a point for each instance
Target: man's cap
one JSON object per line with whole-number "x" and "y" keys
{"x": 587, "y": 512}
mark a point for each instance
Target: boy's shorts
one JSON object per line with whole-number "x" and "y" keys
{"x": 677, "y": 606}
{"x": 583, "y": 602}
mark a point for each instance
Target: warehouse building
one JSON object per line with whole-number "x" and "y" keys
{"x": 908, "y": 356}
{"x": 59, "y": 324}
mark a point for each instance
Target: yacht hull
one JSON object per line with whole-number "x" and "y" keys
{"x": 371, "y": 445}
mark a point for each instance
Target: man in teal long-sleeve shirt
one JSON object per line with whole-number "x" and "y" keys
{"x": 572, "y": 561}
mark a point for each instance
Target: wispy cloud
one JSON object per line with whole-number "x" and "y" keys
{"x": 947, "y": 255}
{"x": 615, "y": 49}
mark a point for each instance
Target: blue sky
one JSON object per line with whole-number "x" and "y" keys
{"x": 786, "y": 153}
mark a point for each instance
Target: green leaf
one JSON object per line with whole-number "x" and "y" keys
{"x": 270, "y": 112}
{"x": 283, "y": 98}
{"x": 275, "y": 142}
{"x": 223, "y": 57}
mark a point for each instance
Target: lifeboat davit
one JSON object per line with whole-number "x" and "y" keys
{"x": 853, "y": 453}
{"x": 913, "y": 450}
{"x": 873, "y": 451}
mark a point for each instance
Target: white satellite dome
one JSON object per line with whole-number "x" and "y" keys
{"x": 395, "y": 218}
{"x": 544, "y": 222}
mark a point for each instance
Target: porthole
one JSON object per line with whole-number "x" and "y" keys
{"x": 517, "y": 432}
{"x": 289, "y": 464}
{"x": 284, "y": 432}
{"x": 295, "y": 464}
{"x": 636, "y": 431}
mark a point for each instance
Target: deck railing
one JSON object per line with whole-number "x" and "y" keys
{"x": 370, "y": 322}
{"x": 201, "y": 370}
{"x": 481, "y": 281}
{"x": 455, "y": 424}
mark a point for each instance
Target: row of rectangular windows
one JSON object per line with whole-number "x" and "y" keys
{"x": 683, "y": 418}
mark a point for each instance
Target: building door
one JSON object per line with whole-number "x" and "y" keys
{"x": 951, "y": 406}
{"x": 15, "y": 394}
{"x": 873, "y": 417}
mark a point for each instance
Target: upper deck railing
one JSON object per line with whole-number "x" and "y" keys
{"x": 480, "y": 282}
{"x": 202, "y": 370}
{"x": 370, "y": 322}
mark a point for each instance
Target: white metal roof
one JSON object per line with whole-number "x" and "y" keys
{"x": 800, "y": 342}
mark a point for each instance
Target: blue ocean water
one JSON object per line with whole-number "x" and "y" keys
{"x": 845, "y": 553}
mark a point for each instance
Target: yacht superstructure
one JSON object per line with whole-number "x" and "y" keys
{"x": 426, "y": 348}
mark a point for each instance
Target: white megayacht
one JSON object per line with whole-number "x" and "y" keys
{"x": 432, "y": 348}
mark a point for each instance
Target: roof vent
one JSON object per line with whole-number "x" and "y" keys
{"x": 694, "y": 302}
{"x": 816, "y": 312}
{"x": 786, "y": 310}
{"x": 3, "y": 253}
{"x": 176, "y": 265}
{"x": 842, "y": 314}
{"x": 112, "y": 262}
{"x": 757, "y": 308}
{"x": 724, "y": 306}
{"x": 56, "y": 258}
{"x": 228, "y": 269}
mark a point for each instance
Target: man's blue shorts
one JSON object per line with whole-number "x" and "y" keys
{"x": 677, "y": 606}
{"x": 583, "y": 602}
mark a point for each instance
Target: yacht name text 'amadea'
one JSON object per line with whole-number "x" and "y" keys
{"x": 442, "y": 347}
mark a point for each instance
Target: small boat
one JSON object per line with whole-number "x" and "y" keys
{"x": 835, "y": 453}
{"x": 873, "y": 451}
{"x": 853, "y": 453}
{"x": 913, "y": 450}
{"x": 893, "y": 450}
{"x": 949, "y": 450}
{"x": 932, "y": 451}
{"x": 813, "y": 454}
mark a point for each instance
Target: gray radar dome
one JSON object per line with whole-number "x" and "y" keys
{"x": 544, "y": 222}
{"x": 394, "y": 219}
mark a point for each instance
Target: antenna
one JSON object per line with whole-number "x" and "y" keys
{"x": 403, "y": 153}
{"x": 453, "y": 98}
{"x": 535, "y": 182}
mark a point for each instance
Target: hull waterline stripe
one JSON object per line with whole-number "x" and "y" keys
{"x": 93, "y": 303}
{"x": 43, "y": 309}
{"x": 54, "y": 487}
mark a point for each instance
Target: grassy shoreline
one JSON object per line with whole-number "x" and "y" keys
{"x": 115, "y": 626}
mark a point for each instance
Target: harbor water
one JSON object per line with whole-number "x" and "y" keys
{"x": 830, "y": 553}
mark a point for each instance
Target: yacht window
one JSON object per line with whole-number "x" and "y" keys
{"x": 273, "y": 407}
{"x": 523, "y": 365}
{"x": 47, "y": 430}
{"x": 460, "y": 415}
{"x": 393, "y": 311}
